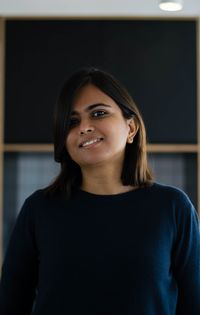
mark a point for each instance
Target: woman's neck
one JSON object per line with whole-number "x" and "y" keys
{"x": 105, "y": 181}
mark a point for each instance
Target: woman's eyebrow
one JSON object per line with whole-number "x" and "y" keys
{"x": 90, "y": 107}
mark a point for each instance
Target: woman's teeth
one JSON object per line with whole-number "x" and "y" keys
{"x": 84, "y": 144}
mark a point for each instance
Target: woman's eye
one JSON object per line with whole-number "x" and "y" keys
{"x": 99, "y": 113}
{"x": 73, "y": 122}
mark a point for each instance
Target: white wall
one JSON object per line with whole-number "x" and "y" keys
{"x": 92, "y": 8}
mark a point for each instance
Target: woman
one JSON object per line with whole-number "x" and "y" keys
{"x": 103, "y": 238}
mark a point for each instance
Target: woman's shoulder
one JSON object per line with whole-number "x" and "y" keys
{"x": 40, "y": 205}
{"x": 169, "y": 191}
{"x": 37, "y": 195}
{"x": 174, "y": 196}
{"x": 174, "y": 200}
{"x": 40, "y": 199}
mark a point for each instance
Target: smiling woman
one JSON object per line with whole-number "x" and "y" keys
{"x": 103, "y": 238}
{"x": 94, "y": 106}
{"x": 97, "y": 139}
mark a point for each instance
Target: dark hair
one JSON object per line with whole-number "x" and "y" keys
{"x": 135, "y": 169}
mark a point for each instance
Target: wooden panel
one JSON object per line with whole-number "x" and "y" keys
{"x": 28, "y": 147}
{"x": 172, "y": 148}
{"x": 1, "y": 131}
{"x": 156, "y": 148}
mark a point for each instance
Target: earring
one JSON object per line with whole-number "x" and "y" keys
{"x": 130, "y": 140}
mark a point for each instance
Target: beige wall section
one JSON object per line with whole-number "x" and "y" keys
{"x": 2, "y": 43}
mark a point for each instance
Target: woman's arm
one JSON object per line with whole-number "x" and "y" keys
{"x": 20, "y": 267}
{"x": 187, "y": 259}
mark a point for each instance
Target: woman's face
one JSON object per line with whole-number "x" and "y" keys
{"x": 98, "y": 131}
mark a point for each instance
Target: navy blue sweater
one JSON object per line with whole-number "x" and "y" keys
{"x": 135, "y": 253}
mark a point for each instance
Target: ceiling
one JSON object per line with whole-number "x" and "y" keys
{"x": 54, "y": 8}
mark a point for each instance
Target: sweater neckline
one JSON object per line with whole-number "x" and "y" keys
{"x": 110, "y": 196}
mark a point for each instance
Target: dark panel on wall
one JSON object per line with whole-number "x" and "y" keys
{"x": 156, "y": 60}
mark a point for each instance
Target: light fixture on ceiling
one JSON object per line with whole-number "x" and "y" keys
{"x": 171, "y": 5}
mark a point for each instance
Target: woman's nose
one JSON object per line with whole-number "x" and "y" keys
{"x": 85, "y": 131}
{"x": 85, "y": 127}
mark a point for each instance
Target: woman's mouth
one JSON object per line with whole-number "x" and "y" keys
{"x": 90, "y": 142}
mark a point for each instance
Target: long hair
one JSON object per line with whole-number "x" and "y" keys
{"x": 135, "y": 170}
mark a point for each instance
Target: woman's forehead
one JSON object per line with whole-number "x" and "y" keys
{"x": 89, "y": 96}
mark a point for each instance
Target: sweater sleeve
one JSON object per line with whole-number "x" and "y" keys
{"x": 19, "y": 271}
{"x": 187, "y": 258}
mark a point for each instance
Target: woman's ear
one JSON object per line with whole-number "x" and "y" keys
{"x": 133, "y": 129}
